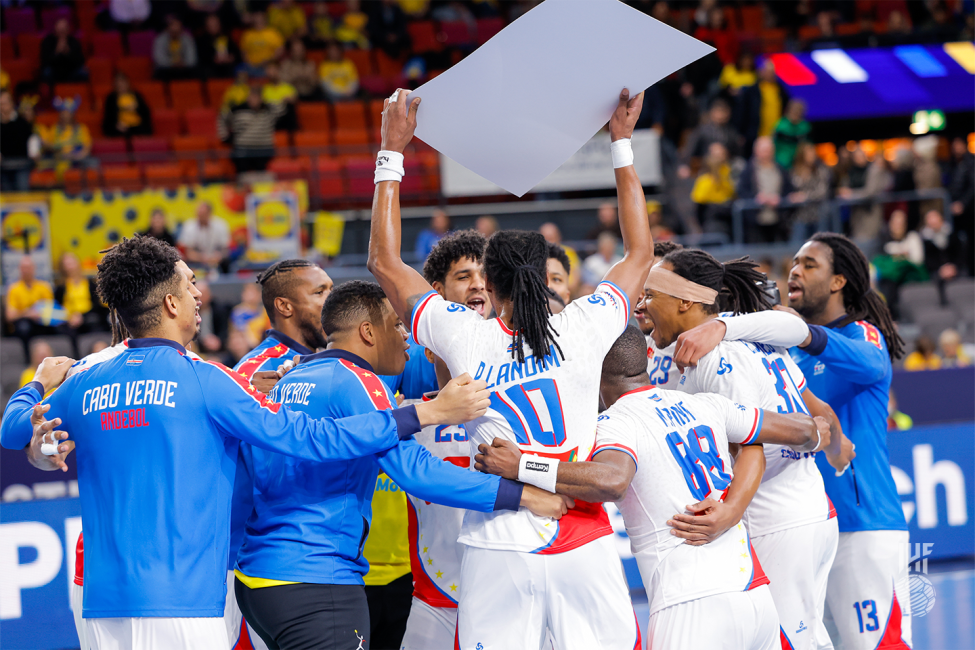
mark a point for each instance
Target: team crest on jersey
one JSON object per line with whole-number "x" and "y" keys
{"x": 135, "y": 360}
{"x": 870, "y": 333}
{"x": 649, "y": 352}
{"x": 819, "y": 368}
{"x": 653, "y": 397}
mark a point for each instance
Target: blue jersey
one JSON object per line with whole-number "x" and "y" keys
{"x": 275, "y": 349}
{"x": 157, "y": 436}
{"x": 849, "y": 368}
{"x": 311, "y": 519}
{"x": 418, "y": 377}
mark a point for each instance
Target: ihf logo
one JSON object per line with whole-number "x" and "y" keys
{"x": 922, "y": 591}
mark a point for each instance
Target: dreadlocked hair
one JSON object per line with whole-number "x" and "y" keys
{"x": 514, "y": 262}
{"x": 458, "y": 245}
{"x": 277, "y": 281}
{"x": 735, "y": 281}
{"x": 119, "y": 333}
{"x": 133, "y": 278}
{"x": 859, "y": 299}
{"x": 665, "y": 247}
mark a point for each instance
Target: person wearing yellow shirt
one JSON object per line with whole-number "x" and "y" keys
{"x": 22, "y": 305}
{"x": 772, "y": 99}
{"x": 260, "y": 44}
{"x": 65, "y": 143}
{"x": 739, "y": 74}
{"x": 352, "y": 30}
{"x": 924, "y": 356}
{"x": 79, "y": 299}
{"x": 339, "y": 76}
{"x": 713, "y": 190}
{"x": 39, "y": 350}
{"x": 276, "y": 91}
{"x": 236, "y": 94}
{"x": 288, "y": 18}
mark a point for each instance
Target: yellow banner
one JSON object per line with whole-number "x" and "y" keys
{"x": 329, "y": 228}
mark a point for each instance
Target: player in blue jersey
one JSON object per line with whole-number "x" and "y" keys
{"x": 299, "y": 571}
{"x": 157, "y": 529}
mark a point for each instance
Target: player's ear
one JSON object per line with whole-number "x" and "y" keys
{"x": 170, "y": 305}
{"x": 284, "y": 307}
{"x": 836, "y": 283}
{"x": 367, "y": 333}
{"x": 439, "y": 288}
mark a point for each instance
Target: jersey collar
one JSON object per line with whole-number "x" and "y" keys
{"x": 641, "y": 389}
{"x": 154, "y": 342}
{"x": 836, "y": 323}
{"x": 287, "y": 340}
{"x": 338, "y": 354}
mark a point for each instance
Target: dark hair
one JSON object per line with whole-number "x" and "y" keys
{"x": 134, "y": 277}
{"x": 735, "y": 281}
{"x": 859, "y": 299}
{"x": 452, "y": 247}
{"x": 556, "y": 252}
{"x": 278, "y": 281}
{"x": 628, "y": 356}
{"x": 350, "y": 303}
{"x": 514, "y": 262}
{"x": 664, "y": 248}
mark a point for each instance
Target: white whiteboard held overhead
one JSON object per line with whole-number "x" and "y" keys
{"x": 525, "y": 101}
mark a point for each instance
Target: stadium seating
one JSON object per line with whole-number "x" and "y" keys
{"x": 138, "y": 68}
{"x": 150, "y": 148}
{"x": 29, "y": 46}
{"x": 349, "y": 115}
{"x": 360, "y": 172}
{"x": 168, "y": 175}
{"x": 20, "y": 20}
{"x": 362, "y": 60}
{"x": 154, "y": 92}
{"x": 141, "y": 42}
{"x": 313, "y": 116}
{"x": 351, "y": 137}
{"x": 330, "y": 184}
{"x": 52, "y": 15}
{"x": 308, "y": 139}
{"x": 107, "y": 44}
{"x": 78, "y": 180}
{"x": 290, "y": 168}
{"x": 165, "y": 123}
{"x": 216, "y": 88}
{"x": 488, "y": 27}
{"x": 423, "y": 34}
{"x": 186, "y": 94}
{"x": 100, "y": 71}
{"x": 122, "y": 177}
{"x": 7, "y": 48}
{"x": 201, "y": 121}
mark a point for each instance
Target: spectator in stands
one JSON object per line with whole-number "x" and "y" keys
{"x": 901, "y": 261}
{"x": 553, "y": 235}
{"x": 320, "y": 31}
{"x": 486, "y": 225}
{"x": 278, "y": 92}
{"x": 428, "y": 237}
{"x": 249, "y": 317}
{"x": 924, "y": 356}
{"x": 125, "y": 14}
{"x": 943, "y": 254}
{"x": 773, "y": 98}
{"x": 126, "y": 111}
{"x": 607, "y": 220}
{"x": 765, "y": 181}
{"x": 713, "y": 191}
{"x": 810, "y": 179}
{"x": 217, "y": 51}
{"x": 597, "y": 264}
{"x": 927, "y": 171}
{"x": 718, "y": 33}
{"x": 23, "y": 297}
{"x": 39, "y": 350}
{"x": 62, "y": 58}
{"x": 739, "y": 81}
{"x": 250, "y": 129}
{"x": 15, "y": 134}
{"x": 205, "y": 239}
{"x": 174, "y": 52}
{"x": 659, "y": 227}
{"x": 738, "y": 74}
{"x": 338, "y": 74}
{"x": 791, "y": 130}
{"x": 66, "y": 144}
{"x": 299, "y": 71}
{"x": 157, "y": 227}
{"x": 237, "y": 94}
{"x": 78, "y": 296}
{"x": 387, "y": 28}
{"x": 351, "y": 31}
{"x": 213, "y": 321}
{"x": 716, "y": 129}
{"x": 962, "y": 191}
{"x": 866, "y": 220}
{"x": 260, "y": 45}
{"x": 952, "y": 354}
{"x": 288, "y": 18}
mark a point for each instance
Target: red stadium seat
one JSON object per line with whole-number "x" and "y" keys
{"x": 150, "y": 149}
{"x": 455, "y": 34}
{"x": 374, "y": 111}
{"x": 191, "y": 143}
{"x": 75, "y": 91}
{"x": 218, "y": 170}
{"x": 99, "y": 92}
{"x": 311, "y": 139}
{"x": 848, "y": 29}
{"x": 374, "y": 84}
{"x": 387, "y": 66}
{"x": 91, "y": 119}
{"x": 412, "y": 183}
{"x": 52, "y": 15}
{"x": 101, "y": 71}
{"x": 80, "y": 180}
{"x": 29, "y": 46}
{"x": 330, "y": 184}
{"x": 362, "y": 60}
{"x": 424, "y": 37}
{"x": 216, "y": 88}
{"x": 43, "y": 179}
{"x": 19, "y": 70}
{"x": 201, "y": 121}
{"x": 313, "y": 116}
{"x": 351, "y": 137}
{"x": 350, "y": 115}
{"x": 282, "y": 141}
{"x": 110, "y": 151}
{"x": 46, "y": 118}
{"x": 141, "y": 42}
{"x": 809, "y": 32}
{"x": 168, "y": 175}
{"x": 121, "y": 177}
{"x": 488, "y": 27}
{"x": 7, "y": 52}
{"x": 138, "y": 68}
{"x": 360, "y": 173}
{"x": 290, "y": 168}
{"x": 752, "y": 18}
{"x": 107, "y": 44}
{"x": 20, "y": 20}
{"x": 165, "y": 123}
{"x": 186, "y": 94}
{"x": 154, "y": 92}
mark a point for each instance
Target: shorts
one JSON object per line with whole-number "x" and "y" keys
{"x": 797, "y": 562}
{"x": 868, "y": 602}
{"x": 739, "y": 620}
{"x": 389, "y": 609}
{"x": 156, "y": 633}
{"x": 241, "y": 638}
{"x": 510, "y": 599}
{"x": 306, "y": 616}
{"x": 76, "y": 597}
{"x": 429, "y": 627}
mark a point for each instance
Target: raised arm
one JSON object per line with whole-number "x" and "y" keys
{"x": 403, "y": 285}
{"x": 630, "y": 273}
{"x": 778, "y": 328}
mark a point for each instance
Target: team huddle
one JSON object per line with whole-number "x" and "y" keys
{"x": 744, "y": 446}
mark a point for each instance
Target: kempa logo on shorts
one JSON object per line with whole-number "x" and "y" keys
{"x": 538, "y": 467}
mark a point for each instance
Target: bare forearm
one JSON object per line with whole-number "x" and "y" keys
{"x": 634, "y": 224}
{"x": 588, "y": 481}
{"x": 749, "y": 469}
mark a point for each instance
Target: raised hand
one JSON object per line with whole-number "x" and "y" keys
{"x": 41, "y": 452}
{"x": 624, "y": 118}
{"x": 500, "y": 458}
{"x": 51, "y": 372}
{"x": 399, "y": 121}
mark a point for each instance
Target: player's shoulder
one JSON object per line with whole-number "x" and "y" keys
{"x": 95, "y": 358}
{"x": 865, "y": 331}
{"x": 353, "y": 382}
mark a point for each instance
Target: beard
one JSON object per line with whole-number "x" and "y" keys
{"x": 810, "y": 306}
{"x": 314, "y": 334}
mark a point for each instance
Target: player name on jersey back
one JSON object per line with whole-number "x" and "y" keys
{"x": 547, "y": 407}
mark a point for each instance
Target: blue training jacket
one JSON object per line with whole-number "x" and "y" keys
{"x": 849, "y": 368}
{"x": 157, "y": 436}
{"x": 311, "y": 519}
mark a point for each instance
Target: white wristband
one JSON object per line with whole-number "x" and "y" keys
{"x": 538, "y": 471}
{"x": 389, "y": 166}
{"x": 622, "y": 152}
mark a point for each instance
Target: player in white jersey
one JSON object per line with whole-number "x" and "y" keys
{"x": 562, "y": 576}
{"x": 655, "y": 451}
{"x": 660, "y": 363}
{"x": 790, "y": 511}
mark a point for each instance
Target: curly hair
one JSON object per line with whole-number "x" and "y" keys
{"x": 664, "y": 248}
{"x": 352, "y": 302}
{"x": 556, "y": 252}
{"x": 134, "y": 277}
{"x": 452, "y": 247}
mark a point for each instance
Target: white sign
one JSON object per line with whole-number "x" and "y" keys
{"x": 591, "y": 168}
{"x": 524, "y": 102}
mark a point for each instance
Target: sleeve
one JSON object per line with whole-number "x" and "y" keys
{"x": 615, "y": 431}
{"x": 777, "y": 328}
{"x": 442, "y": 326}
{"x": 795, "y": 373}
{"x": 861, "y": 358}
{"x": 424, "y": 476}
{"x": 189, "y": 50}
{"x": 607, "y": 310}
{"x": 16, "y": 430}
{"x": 239, "y": 410}
{"x": 742, "y": 423}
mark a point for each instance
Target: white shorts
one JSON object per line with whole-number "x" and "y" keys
{"x": 246, "y": 639}
{"x": 76, "y": 598}
{"x": 510, "y": 598}
{"x": 157, "y": 633}
{"x": 867, "y": 587}
{"x": 740, "y": 620}
{"x": 429, "y": 627}
{"x": 797, "y": 562}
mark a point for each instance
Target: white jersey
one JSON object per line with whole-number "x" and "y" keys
{"x": 660, "y": 365}
{"x": 679, "y": 443}
{"x": 433, "y": 528}
{"x": 546, "y": 410}
{"x": 792, "y": 492}
{"x": 95, "y": 358}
